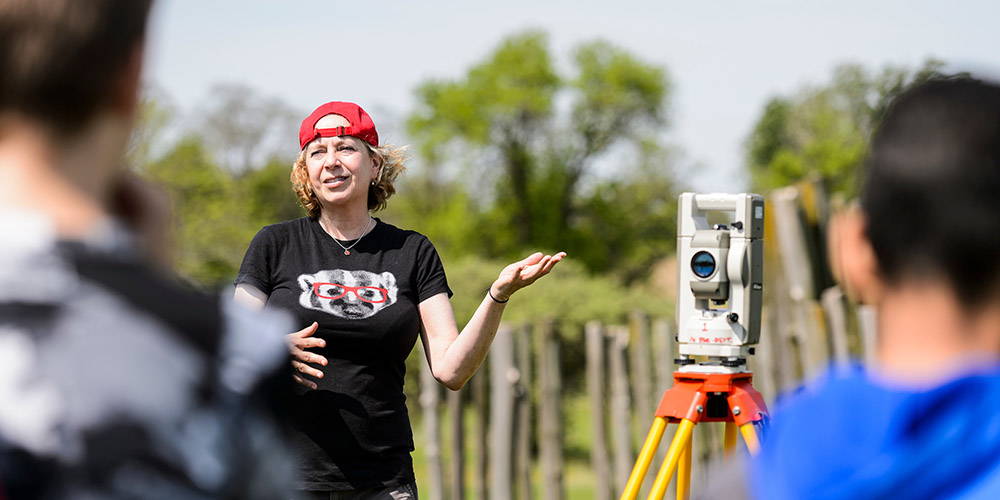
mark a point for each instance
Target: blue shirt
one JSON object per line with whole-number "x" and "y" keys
{"x": 850, "y": 437}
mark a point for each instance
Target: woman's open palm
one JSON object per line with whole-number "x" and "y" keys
{"x": 523, "y": 273}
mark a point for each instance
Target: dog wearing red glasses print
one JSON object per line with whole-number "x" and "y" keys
{"x": 348, "y": 294}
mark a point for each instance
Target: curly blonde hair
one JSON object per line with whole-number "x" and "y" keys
{"x": 390, "y": 159}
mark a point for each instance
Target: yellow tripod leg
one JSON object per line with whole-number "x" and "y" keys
{"x": 682, "y": 438}
{"x": 729, "y": 443}
{"x": 684, "y": 472}
{"x": 645, "y": 458}
{"x": 750, "y": 437}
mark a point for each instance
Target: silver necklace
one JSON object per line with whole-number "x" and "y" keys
{"x": 347, "y": 249}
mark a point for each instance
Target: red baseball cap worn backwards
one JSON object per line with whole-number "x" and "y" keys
{"x": 361, "y": 127}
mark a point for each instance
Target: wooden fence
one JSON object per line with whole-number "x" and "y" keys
{"x": 515, "y": 443}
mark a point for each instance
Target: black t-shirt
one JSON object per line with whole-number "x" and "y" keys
{"x": 355, "y": 431}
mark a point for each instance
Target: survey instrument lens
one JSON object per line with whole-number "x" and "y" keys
{"x": 703, "y": 264}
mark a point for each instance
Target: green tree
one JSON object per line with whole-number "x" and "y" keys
{"x": 501, "y": 108}
{"x": 211, "y": 234}
{"x": 531, "y": 159}
{"x": 266, "y": 195}
{"x": 634, "y": 218}
{"x": 224, "y": 176}
{"x": 242, "y": 128}
{"x": 822, "y": 132}
{"x": 157, "y": 114}
{"x": 443, "y": 211}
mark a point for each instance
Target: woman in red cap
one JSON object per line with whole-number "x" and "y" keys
{"x": 364, "y": 290}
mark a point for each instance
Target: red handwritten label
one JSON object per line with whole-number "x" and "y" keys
{"x": 710, "y": 340}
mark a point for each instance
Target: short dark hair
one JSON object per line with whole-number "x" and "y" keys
{"x": 60, "y": 59}
{"x": 931, "y": 189}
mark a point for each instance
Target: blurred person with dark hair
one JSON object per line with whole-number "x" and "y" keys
{"x": 365, "y": 291}
{"x": 114, "y": 381}
{"x": 923, "y": 248}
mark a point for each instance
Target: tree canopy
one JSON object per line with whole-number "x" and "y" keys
{"x": 550, "y": 160}
{"x": 821, "y": 132}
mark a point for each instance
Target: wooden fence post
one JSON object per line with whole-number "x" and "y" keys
{"x": 596, "y": 388}
{"x": 501, "y": 413}
{"x": 522, "y": 420}
{"x": 777, "y": 324}
{"x": 664, "y": 345}
{"x": 868, "y": 326}
{"x": 430, "y": 398}
{"x": 621, "y": 437}
{"x": 798, "y": 275}
{"x": 833, "y": 303}
{"x": 457, "y": 483}
{"x": 663, "y": 342}
{"x": 642, "y": 381}
{"x": 550, "y": 418}
{"x": 481, "y": 405}
{"x": 642, "y": 373}
{"x": 764, "y": 363}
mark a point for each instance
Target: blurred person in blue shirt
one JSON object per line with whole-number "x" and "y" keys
{"x": 923, "y": 248}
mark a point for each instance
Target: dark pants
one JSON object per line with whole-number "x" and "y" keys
{"x": 401, "y": 492}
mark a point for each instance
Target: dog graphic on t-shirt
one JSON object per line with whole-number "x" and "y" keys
{"x": 347, "y": 294}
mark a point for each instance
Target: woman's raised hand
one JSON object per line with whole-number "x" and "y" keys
{"x": 523, "y": 273}
{"x": 298, "y": 342}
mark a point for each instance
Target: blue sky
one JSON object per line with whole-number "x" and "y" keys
{"x": 725, "y": 58}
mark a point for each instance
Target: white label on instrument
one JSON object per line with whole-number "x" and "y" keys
{"x": 758, "y": 212}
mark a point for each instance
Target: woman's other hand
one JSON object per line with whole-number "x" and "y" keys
{"x": 523, "y": 273}
{"x": 298, "y": 342}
